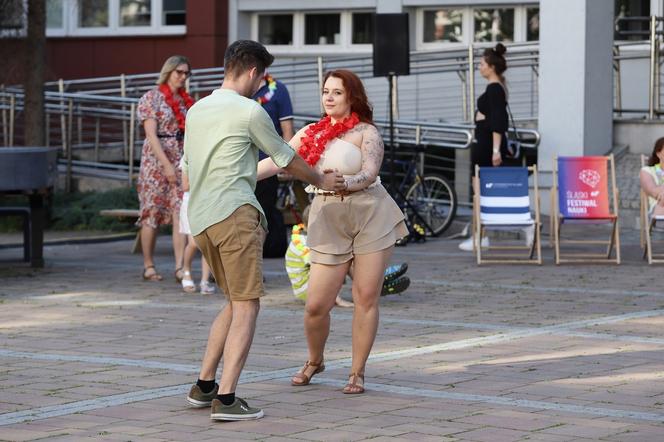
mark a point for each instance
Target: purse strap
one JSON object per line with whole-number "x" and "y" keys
{"x": 509, "y": 112}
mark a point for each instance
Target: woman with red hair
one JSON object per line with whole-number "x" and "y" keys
{"x": 357, "y": 224}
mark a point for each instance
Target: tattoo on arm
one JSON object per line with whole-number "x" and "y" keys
{"x": 372, "y": 157}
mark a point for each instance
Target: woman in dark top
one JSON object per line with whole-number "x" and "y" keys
{"x": 490, "y": 120}
{"x": 491, "y": 117}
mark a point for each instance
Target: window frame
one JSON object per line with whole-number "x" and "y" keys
{"x": 518, "y": 25}
{"x": 254, "y": 27}
{"x": 466, "y": 27}
{"x": 72, "y": 28}
{"x": 342, "y": 31}
{"x": 298, "y": 47}
{"x": 358, "y": 46}
{"x": 21, "y": 32}
{"x": 62, "y": 31}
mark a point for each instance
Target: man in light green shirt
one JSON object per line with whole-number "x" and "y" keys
{"x": 223, "y": 134}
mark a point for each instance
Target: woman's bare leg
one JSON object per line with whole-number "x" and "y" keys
{"x": 179, "y": 242}
{"x": 325, "y": 281}
{"x": 367, "y": 284}
{"x": 148, "y": 241}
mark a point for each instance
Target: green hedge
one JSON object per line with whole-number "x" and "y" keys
{"x": 79, "y": 211}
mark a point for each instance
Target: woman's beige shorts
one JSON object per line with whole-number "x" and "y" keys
{"x": 363, "y": 222}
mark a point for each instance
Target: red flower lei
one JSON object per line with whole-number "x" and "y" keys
{"x": 174, "y": 105}
{"x": 319, "y": 134}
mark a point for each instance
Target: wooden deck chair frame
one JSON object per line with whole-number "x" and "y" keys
{"x": 646, "y": 226}
{"x": 534, "y": 255}
{"x": 557, "y": 220}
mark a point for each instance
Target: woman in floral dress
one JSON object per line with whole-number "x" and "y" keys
{"x": 162, "y": 111}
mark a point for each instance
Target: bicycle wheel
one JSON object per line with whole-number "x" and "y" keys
{"x": 435, "y": 201}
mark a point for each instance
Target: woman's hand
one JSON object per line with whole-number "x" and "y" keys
{"x": 169, "y": 172}
{"x": 496, "y": 159}
{"x": 479, "y": 116}
{"x": 660, "y": 195}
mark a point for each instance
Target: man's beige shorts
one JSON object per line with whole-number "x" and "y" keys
{"x": 234, "y": 250}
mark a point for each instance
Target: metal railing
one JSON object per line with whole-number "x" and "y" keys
{"x": 96, "y": 118}
{"x": 654, "y": 34}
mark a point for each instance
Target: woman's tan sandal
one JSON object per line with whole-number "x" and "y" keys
{"x": 301, "y": 378}
{"x": 353, "y": 387}
{"x": 151, "y": 276}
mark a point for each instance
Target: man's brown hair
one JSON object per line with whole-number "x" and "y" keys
{"x": 242, "y": 55}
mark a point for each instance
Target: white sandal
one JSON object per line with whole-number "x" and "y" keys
{"x": 188, "y": 284}
{"x": 207, "y": 288}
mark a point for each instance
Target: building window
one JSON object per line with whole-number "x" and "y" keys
{"x": 135, "y": 13}
{"x": 275, "y": 29}
{"x": 93, "y": 13}
{"x": 322, "y": 29}
{"x": 54, "y": 14}
{"x": 632, "y": 30}
{"x": 174, "y": 12}
{"x": 13, "y": 15}
{"x": 108, "y": 18}
{"x": 494, "y": 24}
{"x": 363, "y": 28}
{"x": 443, "y": 25}
{"x": 533, "y": 24}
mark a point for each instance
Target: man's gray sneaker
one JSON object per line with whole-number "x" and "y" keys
{"x": 198, "y": 399}
{"x": 239, "y": 410}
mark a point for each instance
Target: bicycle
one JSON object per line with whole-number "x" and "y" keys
{"x": 291, "y": 197}
{"x": 428, "y": 201}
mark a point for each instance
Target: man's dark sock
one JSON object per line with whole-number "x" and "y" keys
{"x": 205, "y": 386}
{"x": 226, "y": 399}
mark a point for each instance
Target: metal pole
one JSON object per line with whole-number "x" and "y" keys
{"x": 47, "y": 129}
{"x": 395, "y": 100}
{"x": 79, "y": 124}
{"x": 653, "y": 68}
{"x": 69, "y": 149}
{"x": 5, "y": 134}
{"x": 618, "y": 74}
{"x": 658, "y": 81}
{"x": 97, "y": 128}
{"x": 464, "y": 95}
{"x": 471, "y": 81}
{"x": 123, "y": 93}
{"x": 63, "y": 120}
{"x": 12, "y": 113}
{"x": 390, "y": 79}
{"x": 418, "y": 139}
{"x": 319, "y": 61}
{"x": 132, "y": 134}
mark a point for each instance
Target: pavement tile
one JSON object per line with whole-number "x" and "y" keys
{"x": 441, "y": 428}
{"x": 522, "y": 421}
{"x": 492, "y": 435}
{"x": 15, "y": 434}
{"x": 329, "y": 435}
{"x": 587, "y": 431}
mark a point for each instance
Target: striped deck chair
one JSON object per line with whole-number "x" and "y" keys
{"x": 649, "y": 224}
{"x": 501, "y": 202}
{"x": 581, "y": 195}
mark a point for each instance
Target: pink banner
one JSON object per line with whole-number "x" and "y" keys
{"x": 583, "y": 187}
